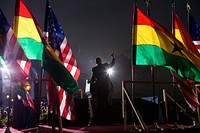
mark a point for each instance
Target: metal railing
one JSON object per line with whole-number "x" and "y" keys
{"x": 125, "y": 97}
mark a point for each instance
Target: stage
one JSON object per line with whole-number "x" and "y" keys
{"x": 114, "y": 128}
{"x": 80, "y": 125}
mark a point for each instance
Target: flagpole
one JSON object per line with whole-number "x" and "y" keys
{"x": 156, "y": 127}
{"x": 176, "y": 126}
{"x": 56, "y": 108}
{"x": 188, "y": 13}
{"x": 173, "y": 32}
{"x": 38, "y": 94}
{"x": 9, "y": 109}
{"x": 134, "y": 128}
{"x": 133, "y": 75}
{"x": 43, "y": 40}
{"x": 59, "y": 117}
{"x": 173, "y": 9}
{"x": 147, "y": 5}
{"x": 53, "y": 116}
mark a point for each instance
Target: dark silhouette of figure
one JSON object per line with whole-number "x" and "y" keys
{"x": 101, "y": 90}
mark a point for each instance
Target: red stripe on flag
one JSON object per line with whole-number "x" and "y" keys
{"x": 187, "y": 91}
{"x": 23, "y": 7}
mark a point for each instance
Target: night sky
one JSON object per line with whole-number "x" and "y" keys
{"x": 95, "y": 28}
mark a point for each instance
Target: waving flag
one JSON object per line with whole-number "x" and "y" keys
{"x": 187, "y": 91}
{"x": 26, "y": 32}
{"x": 182, "y": 35}
{"x": 194, "y": 30}
{"x": 66, "y": 102}
{"x": 185, "y": 86}
{"x": 14, "y": 57}
{"x": 155, "y": 45}
{"x": 58, "y": 41}
{"x": 50, "y": 62}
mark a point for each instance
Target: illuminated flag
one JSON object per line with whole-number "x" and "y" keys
{"x": 66, "y": 102}
{"x": 185, "y": 86}
{"x": 50, "y": 62}
{"x": 155, "y": 45}
{"x": 26, "y": 32}
{"x": 58, "y": 41}
{"x": 194, "y": 30}
{"x": 16, "y": 61}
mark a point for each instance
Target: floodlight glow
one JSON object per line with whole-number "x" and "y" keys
{"x": 4, "y": 68}
{"x": 110, "y": 71}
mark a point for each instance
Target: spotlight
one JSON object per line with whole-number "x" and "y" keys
{"x": 110, "y": 71}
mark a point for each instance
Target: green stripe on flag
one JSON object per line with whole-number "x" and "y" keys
{"x": 32, "y": 48}
{"x": 156, "y": 56}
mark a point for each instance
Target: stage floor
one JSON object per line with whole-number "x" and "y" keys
{"x": 115, "y": 128}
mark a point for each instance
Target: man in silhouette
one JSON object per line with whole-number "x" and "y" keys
{"x": 101, "y": 90}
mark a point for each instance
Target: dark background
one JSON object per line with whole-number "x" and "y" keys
{"x": 95, "y": 28}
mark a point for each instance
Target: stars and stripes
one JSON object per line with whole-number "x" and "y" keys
{"x": 58, "y": 41}
{"x": 187, "y": 91}
{"x": 194, "y": 30}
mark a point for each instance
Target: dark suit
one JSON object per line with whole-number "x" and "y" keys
{"x": 101, "y": 89}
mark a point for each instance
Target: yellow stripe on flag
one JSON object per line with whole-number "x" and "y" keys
{"x": 24, "y": 32}
{"x": 178, "y": 35}
{"x": 146, "y": 35}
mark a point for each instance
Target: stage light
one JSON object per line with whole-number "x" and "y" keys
{"x": 110, "y": 71}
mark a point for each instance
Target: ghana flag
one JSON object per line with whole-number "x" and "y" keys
{"x": 50, "y": 62}
{"x": 27, "y": 37}
{"x": 155, "y": 45}
{"x": 182, "y": 35}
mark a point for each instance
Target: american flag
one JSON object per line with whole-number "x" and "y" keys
{"x": 58, "y": 41}
{"x": 187, "y": 91}
{"x": 15, "y": 59}
{"x": 194, "y": 30}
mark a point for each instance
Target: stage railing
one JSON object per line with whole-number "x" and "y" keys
{"x": 126, "y": 96}
{"x": 165, "y": 96}
{"x": 124, "y": 111}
